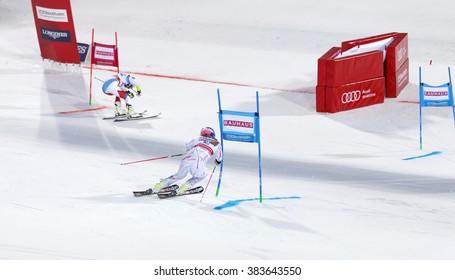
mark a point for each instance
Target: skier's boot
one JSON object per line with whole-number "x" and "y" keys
{"x": 158, "y": 186}
{"x": 130, "y": 113}
{"x": 183, "y": 188}
{"x": 118, "y": 111}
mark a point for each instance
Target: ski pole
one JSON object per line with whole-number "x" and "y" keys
{"x": 149, "y": 159}
{"x": 99, "y": 79}
{"x": 208, "y": 183}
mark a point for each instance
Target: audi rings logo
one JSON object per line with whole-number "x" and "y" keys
{"x": 351, "y": 96}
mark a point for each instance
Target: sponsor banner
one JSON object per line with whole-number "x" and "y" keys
{"x": 239, "y": 126}
{"x": 352, "y": 70}
{"x": 355, "y": 95}
{"x": 353, "y": 63}
{"x": 397, "y": 52}
{"x": 355, "y": 68}
{"x": 436, "y": 95}
{"x": 55, "y": 15}
{"x": 55, "y": 30}
{"x": 83, "y": 50}
{"x": 104, "y": 55}
{"x": 55, "y": 35}
{"x": 395, "y": 82}
{"x": 397, "y": 65}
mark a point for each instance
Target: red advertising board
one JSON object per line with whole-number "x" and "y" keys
{"x": 55, "y": 30}
{"x": 396, "y": 81}
{"x": 320, "y": 99}
{"x": 355, "y": 95}
{"x": 397, "y": 51}
{"x": 322, "y": 77}
{"x": 358, "y": 68}
{"x": 397, "y": 65}
{"x": 335, "y": 73}
{"x": 355, "y": 68}
{"x": 322, "y": 64}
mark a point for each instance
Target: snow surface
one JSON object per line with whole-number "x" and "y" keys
{"x": 335, "y": 186}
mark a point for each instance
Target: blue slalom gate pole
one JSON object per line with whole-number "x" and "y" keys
{"x": 420, "y": 104}
{"x": 451, "y": 89}
{"x": 222, "y": 145}
{"x": 259, "y": 148}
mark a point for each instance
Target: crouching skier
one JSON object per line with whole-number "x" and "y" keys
{"x": 198, "y": 152}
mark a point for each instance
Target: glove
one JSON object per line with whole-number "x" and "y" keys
{"x": 130, "y": 86}
{"x": 217, "y": 162}
{"x": 138, "y": 93}
{"x": 130, "y": 94}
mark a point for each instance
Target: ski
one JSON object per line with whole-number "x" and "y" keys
{"x": 137, "y": 118}
{"x": 121, "y": 116}
{"x": 168, "y": 194}
{"x": 150, "y": 191}
{"x": 115, "y": 117}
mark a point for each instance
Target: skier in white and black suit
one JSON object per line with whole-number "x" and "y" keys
{"x": 198, "y": 152}
{"x": 119, "y": 85}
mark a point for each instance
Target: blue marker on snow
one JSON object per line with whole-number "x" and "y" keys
{"x": 233, "y": 203}
{"x": 426, "y": 155}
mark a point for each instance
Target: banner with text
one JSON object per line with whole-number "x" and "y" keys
{"x": 55, "y": 30}
{"x": 106, "y": 55}
{"x": 436, "y": 95}
{"x": 239, "y": 126}
{"x": 83, "y": 50}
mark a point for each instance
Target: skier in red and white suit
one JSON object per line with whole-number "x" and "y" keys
{"x": 119, "y": 85}
{"x": 198, "y": 152}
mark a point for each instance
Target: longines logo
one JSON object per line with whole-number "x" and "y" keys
{"x": 55, "y": 35}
